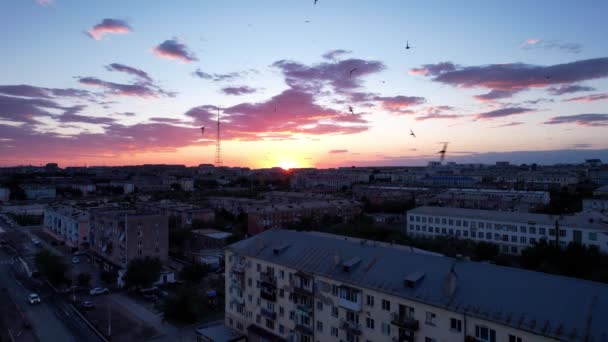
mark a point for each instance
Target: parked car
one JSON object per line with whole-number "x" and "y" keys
{"x": 36, "y": 242}
{"x": 87, "y": 305}
{"x": 75, "y": 260}
{"x": 98, "y": 291}
{"x": 150, "y": 297}
{"x": 33, "y": 298}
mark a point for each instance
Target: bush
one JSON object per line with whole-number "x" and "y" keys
{"x": 51, "y": 266}
{"x": 193, "y": 273}
{"x": 142, "y": 273}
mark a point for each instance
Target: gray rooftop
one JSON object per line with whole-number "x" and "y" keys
{"x": 579, "y": 220}
{"x": 544, "y": 304}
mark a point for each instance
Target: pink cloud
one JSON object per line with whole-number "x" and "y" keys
{"x": 173, "y": 49}
{"x": 400, "y": 103}
{"x": 338, "y": 151}
{"x": 588, "y": 98}
{"x": 589, "y": 120}
{"x": 108, "y": 26}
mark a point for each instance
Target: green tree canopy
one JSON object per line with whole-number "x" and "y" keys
{"x": 142, "y": 273}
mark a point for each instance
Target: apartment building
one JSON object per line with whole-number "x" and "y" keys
{"x": 301, "y": 286}
{"x": 5, "y": 194}
{"x": 118, "y": 236}
{"x": 39, "y": 191}
{"x": 511, "y": 200}
{"x": 183, "y": 214}
{"x": 512, "y": 231}
{"x": 279, "y": 215}
{"x": 68, "y": 224}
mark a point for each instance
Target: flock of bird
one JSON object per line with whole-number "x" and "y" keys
{"x": 442, "y": 152}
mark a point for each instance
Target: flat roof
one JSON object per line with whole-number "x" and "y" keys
{"x": 519, "y": 298}
{"x": 578, "y": 221}
{"x": 219, "y": 333}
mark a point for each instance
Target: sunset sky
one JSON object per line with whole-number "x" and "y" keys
{"x": 130, "y": 82}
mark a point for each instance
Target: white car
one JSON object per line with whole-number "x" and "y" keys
{"x": 98, "y": 291}
{"x": 33, "y": 298}
{"x": 75, "y": 260}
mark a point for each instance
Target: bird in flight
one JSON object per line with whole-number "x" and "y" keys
{"x": 306, "y": 21}
{"x": 443, "y": 151}
{"x": 407, "y": 45}
{"x": 203, "y": 130}
{"x": 412, "y": 133}
{"x": 315, "y": 2}
{"x": 350, "y": 109}
{"x": 382, "y": 82}
{"x": 350, "y": 73}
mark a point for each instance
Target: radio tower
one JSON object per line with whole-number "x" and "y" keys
{"x": 218, "y": 143}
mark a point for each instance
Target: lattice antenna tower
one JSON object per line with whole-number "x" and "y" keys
{"x": 218, "y": 142}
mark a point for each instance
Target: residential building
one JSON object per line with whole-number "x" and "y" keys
{"x": 68, "y": 224}
{"x": 181, "y": 214}
{"x": 234, "y": 205}
{"x": 300, "y": 286}
{"x": 280, "y": 215}
{"x": 5, "y": 194}
{"x": 85, "y": 189}
{"x": 118, "y": 236}
{"x": 512, "y": 231}
{"x": 39, "y": 191}
{"x": 510, "y": 200}
{"x": 595, "y": 204}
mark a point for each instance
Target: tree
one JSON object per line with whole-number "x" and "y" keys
{"x": 108, "y": 277}
{"x": 193, "y": 273}
{"x": 142, "y": 273}
{"x": 485, "y": 251}
{"x": 84, "y": 279}
{"x": 51, "y": 266}
{"x": 186, "y": 306}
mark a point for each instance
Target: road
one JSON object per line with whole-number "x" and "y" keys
{"x": 52, "y": 319}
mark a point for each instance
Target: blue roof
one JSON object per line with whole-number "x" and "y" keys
{"x": 544, "y": 304}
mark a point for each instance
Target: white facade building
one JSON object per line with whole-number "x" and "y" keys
{"x": 298, "y": 286}
{"x": 67, "y": 224}
{"x": 512, "y": 231}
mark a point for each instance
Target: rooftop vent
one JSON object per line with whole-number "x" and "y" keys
{"x": 349, "y": 264}
{"x": 280, "y": 248}
{"x": 413, "y": 279}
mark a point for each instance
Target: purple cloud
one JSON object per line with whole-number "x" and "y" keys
{"x": 129, "y": 70}
{"x": 495, "y": 95}
{"x": 589, "y": 120}
{"x": 218, "y": 77}
{"x": 337, "y": 74}
{"x": 44, "y": 3}
{"x": 71, "y": 115}
{"x": 108, "y": 26}
{"x": 514, "y": 77}
{"x": 551, "y": 45}
{"x": 338, "y": 151}
{"x": 568, "y": 89}
{"x": 438, "y": 112}
{"x": 588, "y": 98}
{"x": 335, "y": 54}
{"x": 25, "y": 90}
{"x": 498, "y": 113}
{"x": 25, "y": 110}
{"x": 142, "y": 89}
{"x": 242, "y": 90}
{"x": 173, "y": 49}
{"x": 400, "y": 103}
{"x": 510, "y": 124}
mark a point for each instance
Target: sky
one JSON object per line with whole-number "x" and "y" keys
{"x": 299, "y": 84}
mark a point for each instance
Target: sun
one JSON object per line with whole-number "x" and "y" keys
{"x": 287, "y": 164}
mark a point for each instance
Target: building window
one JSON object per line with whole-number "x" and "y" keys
{"x": 369, "y": 323}
{"x": 541, "y": 231}
{"x": 281, "y": 293}
{"x": 370, "y": 300}
{"x": 552, "y": 232}
{"x": 281, "y": 329}
{"x": 320, "y": 306}
{"x": 386, "y": 329}
{"x": 281, "y": 311}
{"x": 532, "y": 230}
{"x": 593, "y": 236}
{"x": 431, "y": 318}
{"x": 334, "y": 311}
{"x": 258, "y": 267}
{"x": 282, "y": 274}
{"x": 269, "y": 324}
{"x": 386, "y": 305}
{"x": 522, "y": 239}
{"x": 513, "y": 338}
{"x": 485, "y": 334}
{"x": 250, "y": 297}
{"x": 455, "y": 325}
{"x": 320, "y": 326}
{"x": 334, "y": 289}
{"x": 334, "y": 331}
{"x": 514, "y": 249}
{"x": 480, "y": 224}
{"x": 562, "y": 232}
{"x": 513, "y": 238}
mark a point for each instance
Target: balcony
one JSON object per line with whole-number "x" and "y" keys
{"x": 304, "y": 309}
{"x": 404, "y": 322}
{"x": 268, "y": 313}
{"x": 347, "y": 304}
{"x": 304, "y": 329}
{"x": 268, "y": 279}
{"x": 351, "y": 326}
{"x": 238, "y": 269}
{"x": 268, "y": 294}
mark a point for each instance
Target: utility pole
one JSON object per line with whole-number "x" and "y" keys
{"x": 109, "y": 320}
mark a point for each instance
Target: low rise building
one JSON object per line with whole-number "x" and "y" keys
{"x": 39, "y": 191}
{"x": 118, "y": 236}
{"x": 512, "y": 231}
{"x": 68, "y": 224}
{"x": 280, "y": 215}
{"x": 183, "y": 214}
{"x": 510, "y": 200}
{"x": 5, "y": 194}
{"x": 300, "y": 286}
